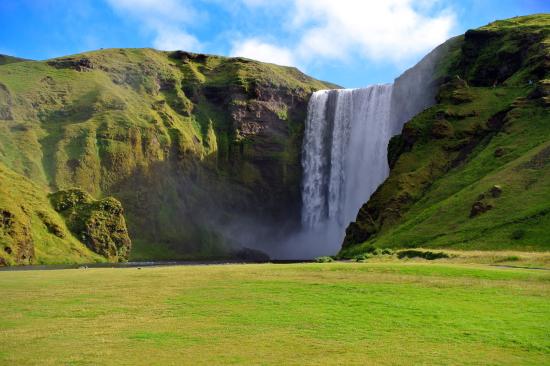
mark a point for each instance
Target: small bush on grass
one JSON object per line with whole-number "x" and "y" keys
{"x": 372, "y": 252}
{"x": 377, "y": 251}
{"x": 370, "y": 249}
{"x": 363, "y": 257}
{"x": 414, "y": 253}
{"x": 510, "y": 258}
{"x": 518, "y": 234}
{"x": 324, "y": 259}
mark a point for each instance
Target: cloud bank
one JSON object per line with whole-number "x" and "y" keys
{"x": 167, "y": 20}
{"x": 389, "y": 30}
{"x": 307, "y": 31}
{"x": 256, "y": 49}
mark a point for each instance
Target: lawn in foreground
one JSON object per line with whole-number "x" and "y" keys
{"x": 304, "y": 314}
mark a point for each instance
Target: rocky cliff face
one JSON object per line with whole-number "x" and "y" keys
{"x": 472, "y": 171}
{"x": 202, "y": 151}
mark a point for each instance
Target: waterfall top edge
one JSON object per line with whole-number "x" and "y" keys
{"x": 351, "y": 89}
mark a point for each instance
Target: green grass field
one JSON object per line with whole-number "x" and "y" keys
{"x": 300, "y": 314}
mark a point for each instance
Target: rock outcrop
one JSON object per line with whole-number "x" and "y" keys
{"x": 98, "y": 224}
{"x": 31, "y": 231}
{"x": 15, "y": 236}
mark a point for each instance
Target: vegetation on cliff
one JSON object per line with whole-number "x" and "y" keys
{"x": 31, "y": 231}
{"x": 193, "y": 146}
{"x": 473, "y": 171}
{"x": 98, "y": 224}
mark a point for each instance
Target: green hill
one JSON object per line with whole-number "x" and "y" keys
{"x": 124, "y": 154}
{"x": 473, "y": 171}
{"x": 196, "y": 148}
{"x": 5, "y": 59}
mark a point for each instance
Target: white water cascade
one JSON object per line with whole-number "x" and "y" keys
{"x": 344, "y": 160}
{"x": 344, "y": 152}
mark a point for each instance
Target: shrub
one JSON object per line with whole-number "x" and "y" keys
{"x": 362, "y": 257}
{"x": 324, "y": 259}
{"x": 511, "y": 258}
{"x": 370, "y": 249}
{"x": 429, "y": 255}
{"x": 518, "y": 234}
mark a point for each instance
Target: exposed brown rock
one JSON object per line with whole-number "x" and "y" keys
{"x": 478, "y": 208}
{"x": 78, "y": 64}
{"x": 496, "y": 191}
{"x": 499, "y": 152}
{"x": 442, "y": 129}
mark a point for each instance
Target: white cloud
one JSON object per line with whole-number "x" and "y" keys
{"x": 166, "y": 19}
{"x": 256, "y": 49}
{"x": 310, "y": 32}
{"x": 256, "y": 2}
{"x": 154, "y": 10}
{"x": 170, "y": 39}
{"x": 389, "y": 30}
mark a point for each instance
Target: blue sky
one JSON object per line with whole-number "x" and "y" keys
{"x": 349, "y": 42}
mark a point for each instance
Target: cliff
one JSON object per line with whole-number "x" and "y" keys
{"x": 472, "y": 171}
{"x": 203, "y": 152}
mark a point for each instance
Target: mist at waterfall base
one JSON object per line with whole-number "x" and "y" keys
{"x": 344, "y": 154}
{"x": 344, "y": 160}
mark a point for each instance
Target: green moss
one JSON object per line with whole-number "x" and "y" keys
{"x": 158, "y": 131}
{"x": 98, "y": 224}
{"x": 31, "y": 231}
{"x": 450, "y": 157}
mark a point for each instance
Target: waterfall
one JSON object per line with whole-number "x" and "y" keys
{"x": 344, "y": 154}
{"x": 344, "y": 160}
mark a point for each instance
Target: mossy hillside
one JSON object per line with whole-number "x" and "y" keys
{"x": 98, "y": 224}
{"x": 5, "y": 59}
{"x": 514, "y": 51}
{"x": 31, "y": 232}
{"x": 472, "y": 172}
{"x": 181, "y": 139}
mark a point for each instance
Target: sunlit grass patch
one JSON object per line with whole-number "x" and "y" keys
{"x": 307, "y": 314}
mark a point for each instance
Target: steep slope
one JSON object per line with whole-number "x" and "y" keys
{"x": 473, "y": 171}
{"x": 31, "y": 232}
{"x": 202, "y": 151}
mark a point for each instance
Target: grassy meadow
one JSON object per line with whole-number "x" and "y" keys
{"x": 385, "y": 313}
